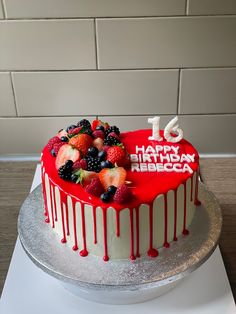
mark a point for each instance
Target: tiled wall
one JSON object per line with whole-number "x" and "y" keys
{"x": 120, "y": 60}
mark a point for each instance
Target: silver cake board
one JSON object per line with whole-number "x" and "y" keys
{"x": 30, "y": 290}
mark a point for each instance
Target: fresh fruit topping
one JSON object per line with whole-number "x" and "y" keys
{"x": 105, "y": 197}
{"x": 98, "y": 134}
{"x": 106, "y": 164}
{"x": 66, "y": 152}
{"x": 84, "y": 176}
{"x": 93, "y": 164}
{"x": 113, "y": 134}
{"x": 92, "y": 151}
{"x": 65, "y": 171}
{"x": 52, "y": 152}
{"x": 75, "y": 131}
{"x": 112, "y": 129}
{"x": 95, "y": 187}
{"x": 57, "y": 146}
{"x": 123, "y": 194}
{"x": 111, "y": 189}
{"x": 84, "y": 123}
{"x": 100, "y": 128}
{"x": 97, "y": 123}
{"x": 88, "y": 132}
{"x": 98, "y": 142}
{"x": 62, "y": 133}
{"x": 64, "y": 139}
{"x": 80, "y": 164}
{"x": 116, "y": 154}
{"x": 111, "y": 140}
{"x": 82, "y": 142}
{"x": 102, "y": 155}
{"x": 51, "y": 142}
{"x": 115, "y": 176}
{"x": 71, "y": 127}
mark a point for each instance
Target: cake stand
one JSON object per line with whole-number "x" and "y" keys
{"x": 123, "y": 281}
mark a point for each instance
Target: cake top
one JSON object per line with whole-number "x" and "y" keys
{"x": 99, "y": 165}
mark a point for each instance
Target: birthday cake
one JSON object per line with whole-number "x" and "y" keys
{"x": 119, "y": 195}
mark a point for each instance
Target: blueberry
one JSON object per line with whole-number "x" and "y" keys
{"x": 109, "y": 164}
{"x": 53, "y": 153}
{"x": 92, "y": 151}
{"x": 69, "y": 163}
{"x": 71, "y": 127}
{"x": 111, "y": 189}
{"x": 100, "y": 127}
{"x": 64, "y": 139}
{"x": 105, "y": 197}
{"x": 102, "y": 155}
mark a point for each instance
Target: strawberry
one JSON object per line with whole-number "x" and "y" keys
{"x": 98, "y": 142}
{"x": 66, "y": 152}
{"x": 112, "y": 176}
{"x": 116, "y": 154}
{"x": 98, "y": 134}
{"x": 75, "y": 130}
{"x": 62, "y": 133}
{"x": 123, "y": 194}
{"x": 82, "y": 142}
{"x": 97, "y": 122}
{"x": 57, "y": 146}
{"x": 82, "y": 163}
{"x": 85, "y": 177}
{"x": 95, "y": 187}
{"x": 52, "y": 141}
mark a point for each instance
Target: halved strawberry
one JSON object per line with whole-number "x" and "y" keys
{"x": 75, "y": 130}
{"x": 66, "y": 152}
{"x": 81, "y": 142}
{"x": 112, "y": 176}
{"x": 98, "y": 143}
{"x": 85, "y": 177}
{"x": 97, "y": 122}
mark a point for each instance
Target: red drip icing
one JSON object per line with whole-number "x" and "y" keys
{"x": 54, "y": 202}
{"x": 75, "y": 246}
{"x": 45, "y": 197}
{"x": 185, "y": 231}
{"x": 117, "y": 223}
{"x": 137, "y": 231}
{"x": 83, "y": 252}
{"x": 52, "y": 205}
{"x": 94, "y": 225}
{"x": 175, "y": 216}
{"x": 67, "y": 219}
{"x": 132, "y": 256}
{"x": 166, "y": 243}
{"x": 191, "y": 196}
{"x": 196, "y": 200}
{"x": 63, "y": 240}
{"x": 105, "y": 257}
{"x": 151, "y": 252}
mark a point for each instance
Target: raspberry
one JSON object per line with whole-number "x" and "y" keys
{"x": 123, "y": 194}
{"x": 52, "y": 141}
{"x": 57, "y": 146}
{"x": 80, "y": 164}
{"x": 95, "y": 187}
{"x": 98, "y": 134}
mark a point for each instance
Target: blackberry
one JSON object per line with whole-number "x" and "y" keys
{"x": 65, "y": 172}
{"x": 110, "y": 140}
{"x": 112, "y": 129}
{"x": 92, "y": 151}
{"x": 93, "y": 164}
{"x": 85, "y": 123}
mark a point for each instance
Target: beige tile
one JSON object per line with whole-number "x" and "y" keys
{"x": 208, "y": 91}
{"x": 7, "y": 105}
{"x": 211, "y": 7}
{"x": 92, "y": 8}
{"x": 31, "y": 134}
{"x": 96, "y": 92}
{"x": 208, "y": 133}
{"x": 166, "y": 42}
{"x": 55, "y": 44}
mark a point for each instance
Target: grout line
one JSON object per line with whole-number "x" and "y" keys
{"x": 3, "y": 8}
{"x": 179, "y": 91}
{"x": 14, "y": 94}
{"x": 187, "y": 7}
{"x": 96, "y": 44}
{"x": 122, "y": 69}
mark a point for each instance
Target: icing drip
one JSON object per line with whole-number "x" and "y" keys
{"x": 137, "y": 231}
{"x": 51, "y": 202}
{"x": 132, "y": 256}
{"x": 94, "y": 225}
{"x": 54, "y": 202}
{"x": 45, "y": 197}
{"x": 63, "y": 240}
{"x": 67, "y": 219}
{"x": 191, "y": 193}
{"x": 117, "y": 223}
{"x": 105, "y": 257}
{"x": 196, "y": 200}
{"x": 151, "y": 252}
{"x": 83, "y": 252}
{"x": 75, "y": 246}
{"x": 166, "y": 244}
{"x": 185, "y": 231}
{"x": 175, "y": 216}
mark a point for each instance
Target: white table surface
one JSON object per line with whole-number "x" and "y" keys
{"x": 28, "y": 290}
